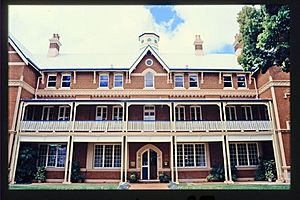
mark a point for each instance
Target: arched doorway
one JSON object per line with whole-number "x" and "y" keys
{"x": 149, "y": 162}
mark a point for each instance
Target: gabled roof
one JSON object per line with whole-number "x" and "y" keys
{"x": 141, "y": 56}
{"x": 25, "y": 55}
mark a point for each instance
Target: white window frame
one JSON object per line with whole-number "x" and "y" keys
{"x": 121, "y": 79}
{"x": 104, "y": 74}
{"x": 194, "y": 146}
{"x": 288, "y": 125}
{"x": 48, "y": 112}
{"x": 246, "y": 113}
{"x": 195, "y": 109}
{"x": 145, "y": 80}
{"x": 101, "y": 107}
{"x": 56, "y": 155}
{"x": 149, "y": 111}
{"x": 230, "y": 112}
{"x": 177, "y": 110}
{"x": 103, "y": 155}
{"x": 176, "y": 75}
{"x": 64, "y": 113}
{"x": 61, "y": 80}
{"x": 119, "y": 117}
{"x": 48, "y": 81}
{"x": 247, "y": 150}
{"x": 227, "y": 81}
{"x": 237, "y": 77}
{"x": 197, "y": 80}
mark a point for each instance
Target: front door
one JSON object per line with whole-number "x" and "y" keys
{"x": 149, "y": 165}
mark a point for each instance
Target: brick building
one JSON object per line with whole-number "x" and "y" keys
{"x": 148, "y": 113}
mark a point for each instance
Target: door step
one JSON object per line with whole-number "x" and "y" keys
{"x": 149, "y": 181}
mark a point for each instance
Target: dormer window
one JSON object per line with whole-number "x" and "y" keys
{"x": 227, "y": 79}
{"x": 149, "y": 80}
{"x": 193, "y": 80}
{"x": 118, "y": 81}
{"x": 66, "y": 81}
{"x": 179, "y": 80}
{"x": 103, "y": 81}
{"x": 241, "y": 81}
{"x": 51, "y": 83}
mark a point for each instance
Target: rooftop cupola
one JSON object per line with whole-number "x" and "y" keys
{"x": 149, "y": 35}
{"x": 54, "y": 46}
{"x": 198, "y": 43}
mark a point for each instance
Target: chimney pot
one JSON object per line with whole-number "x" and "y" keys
{"x": 198, "y": 43}
{"x": 54, "y": 46}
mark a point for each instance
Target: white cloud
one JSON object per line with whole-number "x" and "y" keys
{"x": 115, "y": 29}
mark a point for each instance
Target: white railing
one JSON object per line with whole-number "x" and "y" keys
{"x": 198, "y": 125}
{"x": 149, "y": 126}
{"x": 45, "y": 125}
{"x": 249, "y": 125}
{"x": 98, "y": 126}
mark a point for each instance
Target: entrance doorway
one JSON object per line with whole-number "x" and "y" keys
{"x": 149, "y": 165}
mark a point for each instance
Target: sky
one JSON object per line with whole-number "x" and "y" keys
{"x": 115, "y": 29}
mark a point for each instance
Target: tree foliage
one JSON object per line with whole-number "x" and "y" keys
{"x": 265, "y": 37}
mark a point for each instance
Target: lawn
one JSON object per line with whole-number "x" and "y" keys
{"x": 53, "y": 186}
{"x": 190, "y": 186}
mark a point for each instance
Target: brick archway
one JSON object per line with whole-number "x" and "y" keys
{"x": 145, "y": 148}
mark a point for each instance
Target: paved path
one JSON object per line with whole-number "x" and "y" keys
{"x": 148, "y": 186}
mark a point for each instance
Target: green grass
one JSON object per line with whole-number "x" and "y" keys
{"x": 190, "y": 186}
{"x": 52, "y": 186}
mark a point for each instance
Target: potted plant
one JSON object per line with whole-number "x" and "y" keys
{"x": 133, "y": 177}
{"x": 269, "y": 176}
{"x": 40, "y": 175}
{"x": 164, "y": 178}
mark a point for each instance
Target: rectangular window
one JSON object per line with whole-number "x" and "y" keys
{"x": 241, "y": 81}
{"x": 66, "y": 81}
{"x": 101, "y": 113}
{"x": 191, "y": 155}
{"x": 227, "y": 79}
{"x": 180, "y": 113}
{"x": 231, "y": 113}
{"x": 104, "y": 81}
{"x": 64, "y": 113}
{"x": 48, "y": 113}
{"x": 179, "y": 80}
{"x": 51, "y": 83}
{"x": 117, "y": 113}
{"x": 243, "y": 154}
{"x": 118, "y": 80}
{"x": 247, "y": 112}
{"x": 52, "y": 155}
{"x": 107, "y": 156}
{"x": 149, "y": 112}
{"x": 193, "y": 80}
{"x": 196, "y": 113}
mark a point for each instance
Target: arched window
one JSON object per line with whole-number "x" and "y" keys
{"x": 149, "y": 79}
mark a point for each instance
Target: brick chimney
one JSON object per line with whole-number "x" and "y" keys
{"x": 238, "y": 45}
{"x": 54, "y": 46}
{"x": 198, "y": 43}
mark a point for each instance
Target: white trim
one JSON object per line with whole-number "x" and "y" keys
{"x": 194, "y": 107}
{"x": 197, "y": 76}
{"x": 103, "y": 156}
{"x": 246, "y": 113}
{"x": 48, "y": 112}
{"x": 118, "y": 74}
{"x": 197, "y": 138}
{"x": 230, "y": 107}
{"x": 16, "y": 63}
{"x": 145, "y": 80}
{"x": 194, "y": 149}
{"x": 11, "y": 52}
{"x": 113, "y": 113}
{"x": 47, "y": 85}
{"x": 149, "y": 111}
{"x": 149, "y": 65}
{"x": 246, "y": 85}
{"x": 21, "y": 83}
{"x": 288, "y": 125}
{"x": 149, "y": 138}
{"x": 247, "y": 154}
{"x": 228, "y": 81}
{"x": 102, "y": 111}
{"x": 64, "y": 113}
{"x": 31, "y": 138}
{"x": 178, "y": 74}
{"x": 177, "y": 108}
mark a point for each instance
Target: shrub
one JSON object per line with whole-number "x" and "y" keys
{"x": 40, "y": 174}
{"x": 26, "y": 166}
{"x": 164, "y": 178}
{"x": 217, "y": 173}
{"x": 266, "y": 169}
{"x": 133, "y": 177}
{"x": 75, "y": 172}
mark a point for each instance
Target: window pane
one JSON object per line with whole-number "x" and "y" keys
{"x": 117, "y": 156}
{"x": 227, "y": 84}
{"x": 232, "y": 151}
{"x": 179, "y": 155}
{"x": 193, "y": 81}
{"x": 242, "y": 154}
{"x": 241, "y": 78}
{"x": 253, "y": 157}
{"x": 103, "y": 80}
{"x": 52, "y": 78}
{"x": 200, "y": 155}
{"x": 51, "y": 84}
{"x": 42, "y": 155}
{"x": 149, "y": 80}
{"x": 66, "y": 78}
{"x": 189, "y": 155}
{"x": 108, "y": 156}
{"x": 241, "y": 84}
{"x": 51, "y": 155}
{"x": 227, "y": 78}
{"x": 98, "y": 156}
{"x": 178, "y": 81}
{"x": 61, "y": 155}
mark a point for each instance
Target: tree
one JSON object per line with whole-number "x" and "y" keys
{"x": 265, "y": 37}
